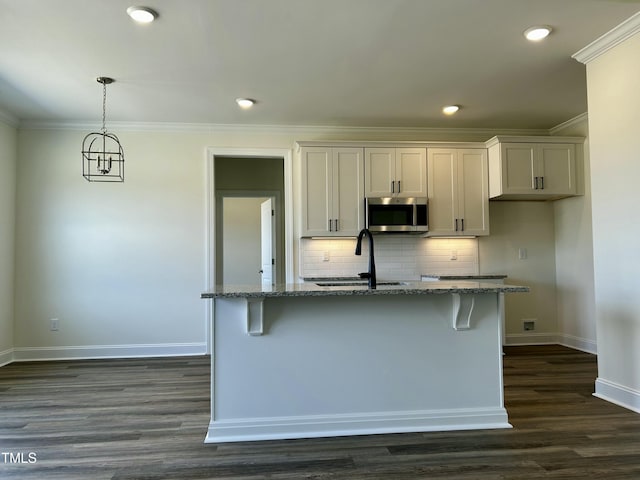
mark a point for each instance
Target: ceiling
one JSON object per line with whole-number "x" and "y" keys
{"x": 368, "y": 63}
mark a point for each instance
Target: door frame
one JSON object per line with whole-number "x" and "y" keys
{"x": 210, "y": 212}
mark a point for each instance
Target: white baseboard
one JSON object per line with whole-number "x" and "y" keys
{"x": 577, "y": 343}
{"x": 531, "y": 339}
{"x": 6, "y": 357}
{"x": 582, "y": 344}
{"x": 25, "y": 354}
{"x": 281, "y": 428}
{"x": 618, "y": 394}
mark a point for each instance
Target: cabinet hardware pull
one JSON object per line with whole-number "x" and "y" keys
{"x": 456, "y": 224}
{"x": 398, "y": 186}
{"x": 330, "y": 226}
{"x": 336, "y": 224}
{"x": 462, "y": 222}
{"x": 542, "y": 183}
{"x": 535, "y": 183}
{"x": 393, "y": 186}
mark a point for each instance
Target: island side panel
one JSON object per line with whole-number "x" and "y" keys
{"x": 341, "y": 365}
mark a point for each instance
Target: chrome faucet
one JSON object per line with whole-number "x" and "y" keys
{"x": 371, "y": 274}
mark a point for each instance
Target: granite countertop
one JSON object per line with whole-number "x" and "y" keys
{"x": 400, "y": 288}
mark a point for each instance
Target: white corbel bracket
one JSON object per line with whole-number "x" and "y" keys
{"x": 255, "y": 316}
{"x": 462, "y": 311}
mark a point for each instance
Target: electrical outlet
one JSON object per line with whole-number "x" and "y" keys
{"x": 529, "y": 325}
{"x": 454, "y": 255}
{"x": 522, "y": 253}
{"x": 54, "y": 324}
{"x": 325, "y": 256}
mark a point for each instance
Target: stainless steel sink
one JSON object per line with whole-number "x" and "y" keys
{"x": 356, "y": 284}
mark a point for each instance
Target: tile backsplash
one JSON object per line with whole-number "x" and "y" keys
{"x": 397, "y": 257}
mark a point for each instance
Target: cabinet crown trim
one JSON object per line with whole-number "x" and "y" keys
{"x": 388, "y": 144}
{"x": 546, "y": 139}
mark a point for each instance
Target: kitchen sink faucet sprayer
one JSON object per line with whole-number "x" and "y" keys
{"x": 371, "y": 274}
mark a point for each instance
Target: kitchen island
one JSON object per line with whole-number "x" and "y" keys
{"x": 305, "y": 360}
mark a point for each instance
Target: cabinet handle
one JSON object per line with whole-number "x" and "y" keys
{"x": 330, "y": 226}
{"x": 456, "y": 224}
{"x": 398, "y": 186}
{"x": 393, "y": 186}
{"x": 336, "y": 225}
{"x": 542, "y": 183}
{"x": 462, "y": 222}
{"x": 535, "y": 183}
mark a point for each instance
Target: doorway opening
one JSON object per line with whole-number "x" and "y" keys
{"x": 245, "y": 172}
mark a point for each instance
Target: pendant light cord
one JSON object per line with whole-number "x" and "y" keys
{"x": 104, "y": 107}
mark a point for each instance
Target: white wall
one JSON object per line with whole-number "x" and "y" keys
{"x": 574, "y": 259}
{"x": 530, "y": 226}
{"x": 120, "y": 265}
{"x": 8, "y": 158}
{"x": 614, "y": 136}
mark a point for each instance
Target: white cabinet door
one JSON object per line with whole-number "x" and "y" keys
{"x": 316, "y": 208}
{"x": 443, "y": 190}
{"x": 411, "y": 172}
{"x": 332, "y": 191}
{"x": 556, "y": 169}
{"x": 379, "y": 171}
{"x": 518, "y": 168}
{"x": 473, "y": 192}
{"x": 458, "y": 192}
{"x": 348, "y": 191}
{"x": 395, "y": 172}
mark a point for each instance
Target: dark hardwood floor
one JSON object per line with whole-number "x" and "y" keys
{"x": 147, "y": 418}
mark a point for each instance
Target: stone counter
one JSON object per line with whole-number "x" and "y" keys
{"x": 403, "y": 288}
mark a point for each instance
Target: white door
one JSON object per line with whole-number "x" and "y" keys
{"x": 411, "y": 172}
{"x": 267, "y": 243}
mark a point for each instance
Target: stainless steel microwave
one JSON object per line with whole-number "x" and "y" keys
{"x": 399, "y": 215}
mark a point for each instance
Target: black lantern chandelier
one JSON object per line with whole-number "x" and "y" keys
{"x": 102, "y": 154}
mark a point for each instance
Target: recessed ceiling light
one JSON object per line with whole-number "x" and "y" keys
{"x": 450, "y": 109}
{"x": 245, "y": 102}
{"x": 535, "y": 34}
{"x": 142, "y": 14}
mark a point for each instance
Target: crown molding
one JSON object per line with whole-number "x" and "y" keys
{"x": 296, "y": 130}
{"x": 583, "y": 117}
{"x": 9, "y": 119}
{"x": 606, "y": 42}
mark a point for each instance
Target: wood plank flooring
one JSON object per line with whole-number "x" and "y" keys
{"x": 146, "y": 419}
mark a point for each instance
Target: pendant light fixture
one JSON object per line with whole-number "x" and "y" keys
{"x": 102, "y": 154}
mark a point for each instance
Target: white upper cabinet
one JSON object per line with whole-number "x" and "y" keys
{"x": 534, "y": 170}
{"x": 332, "y": 191}
{"x": 458, "y": 192}
{"x": 395, "y": 172}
